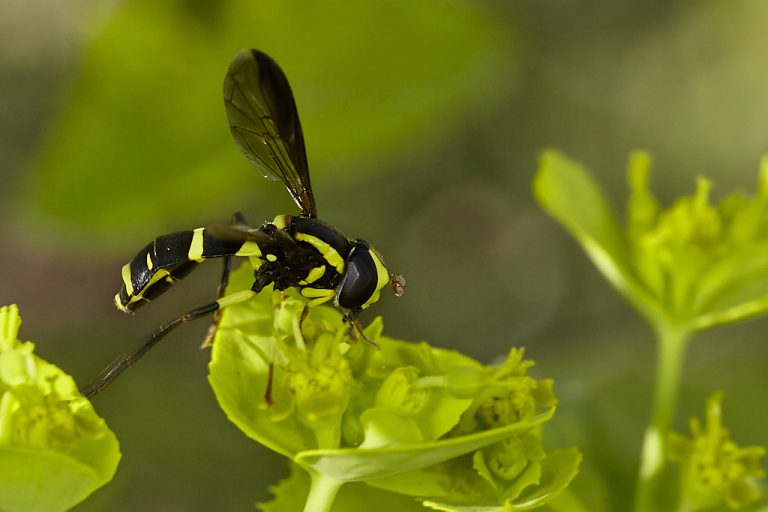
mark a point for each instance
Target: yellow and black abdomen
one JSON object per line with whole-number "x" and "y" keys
{"x": 171, "y": 257}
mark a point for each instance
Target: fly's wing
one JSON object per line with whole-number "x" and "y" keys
{"x": 265, "y": 237}
{"x": 265, "y": 124}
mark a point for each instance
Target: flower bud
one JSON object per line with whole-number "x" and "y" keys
{"x": 398, "y": 393}
{"x": 715, "y": 469}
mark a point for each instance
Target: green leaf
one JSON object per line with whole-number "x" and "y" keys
{"x": 54, "y": 449}
{"x": 360, "y": 464}
{"x": 31, "y": 479}
{"x": 694, "y": 264}
{"x": 238, "y": 375}
{"x": 557, "y": 471}
{"x": 568, "y": 193}
{"x": 536, "y": 486}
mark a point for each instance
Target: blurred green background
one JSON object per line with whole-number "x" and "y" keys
{"x": 423, "y": 120}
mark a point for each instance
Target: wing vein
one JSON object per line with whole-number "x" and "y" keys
{"x": 265, "y": 124}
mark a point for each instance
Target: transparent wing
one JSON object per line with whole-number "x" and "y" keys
{"x": 265, "y": 124}
{"x": 273, "y": 238}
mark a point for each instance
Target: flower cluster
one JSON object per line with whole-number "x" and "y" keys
{"x": 388, "y": 414}
{"x": 715, "y": 470}
{"x": 54, "y": 450}
{"x": 685, "y": 268}
{"x": 694, "y": 264}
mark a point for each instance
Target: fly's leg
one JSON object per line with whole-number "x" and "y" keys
{"x": 355, "y": 330}
{"x": 237, "y": 218}
{"x": 106, "y": 377}
{"x": 304, "y": 315}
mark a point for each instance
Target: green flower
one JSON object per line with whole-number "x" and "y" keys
{"x": 685, "y": 268}
{"x": 320, "y": 387}
{"x": 388, "y": 415}
{"x": 515, "y": 473}
{"x": 54, "y": 449}
{"x": 714, "y": 469}
{"x": 513, "y": 395}
{"x": 694, "y": 264}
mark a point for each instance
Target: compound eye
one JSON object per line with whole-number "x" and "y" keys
{"x": 360, "y": 278}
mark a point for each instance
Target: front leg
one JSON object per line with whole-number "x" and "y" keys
{"x": 355, "y": 330}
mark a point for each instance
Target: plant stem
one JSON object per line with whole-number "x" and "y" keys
{"x": 322, "y": 492}
{"x": 672, "y": 343}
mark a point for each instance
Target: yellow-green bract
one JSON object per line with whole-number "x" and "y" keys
{"x": 54, "y": 449}
{"x": 694, "y": 264}
{"x": 714, "y": 469}
{"x": 404, "y": 417}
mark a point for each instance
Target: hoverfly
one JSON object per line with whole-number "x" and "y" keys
{"x": 292, "y": 251}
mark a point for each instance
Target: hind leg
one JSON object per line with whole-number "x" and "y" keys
{"x": 122, "y": 363}
{"x": 237, "y": 218}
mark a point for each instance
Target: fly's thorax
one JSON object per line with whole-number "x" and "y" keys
{"x": 297, "y": 256}
{"x": 332, "y": 245}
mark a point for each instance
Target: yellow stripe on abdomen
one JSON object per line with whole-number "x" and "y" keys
{"x": 126, "y": 273}
{"x": 249, "y": 248}
{"x": 196, "y": 247}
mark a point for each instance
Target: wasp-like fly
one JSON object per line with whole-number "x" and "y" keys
{"x": 292, "y": 251}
